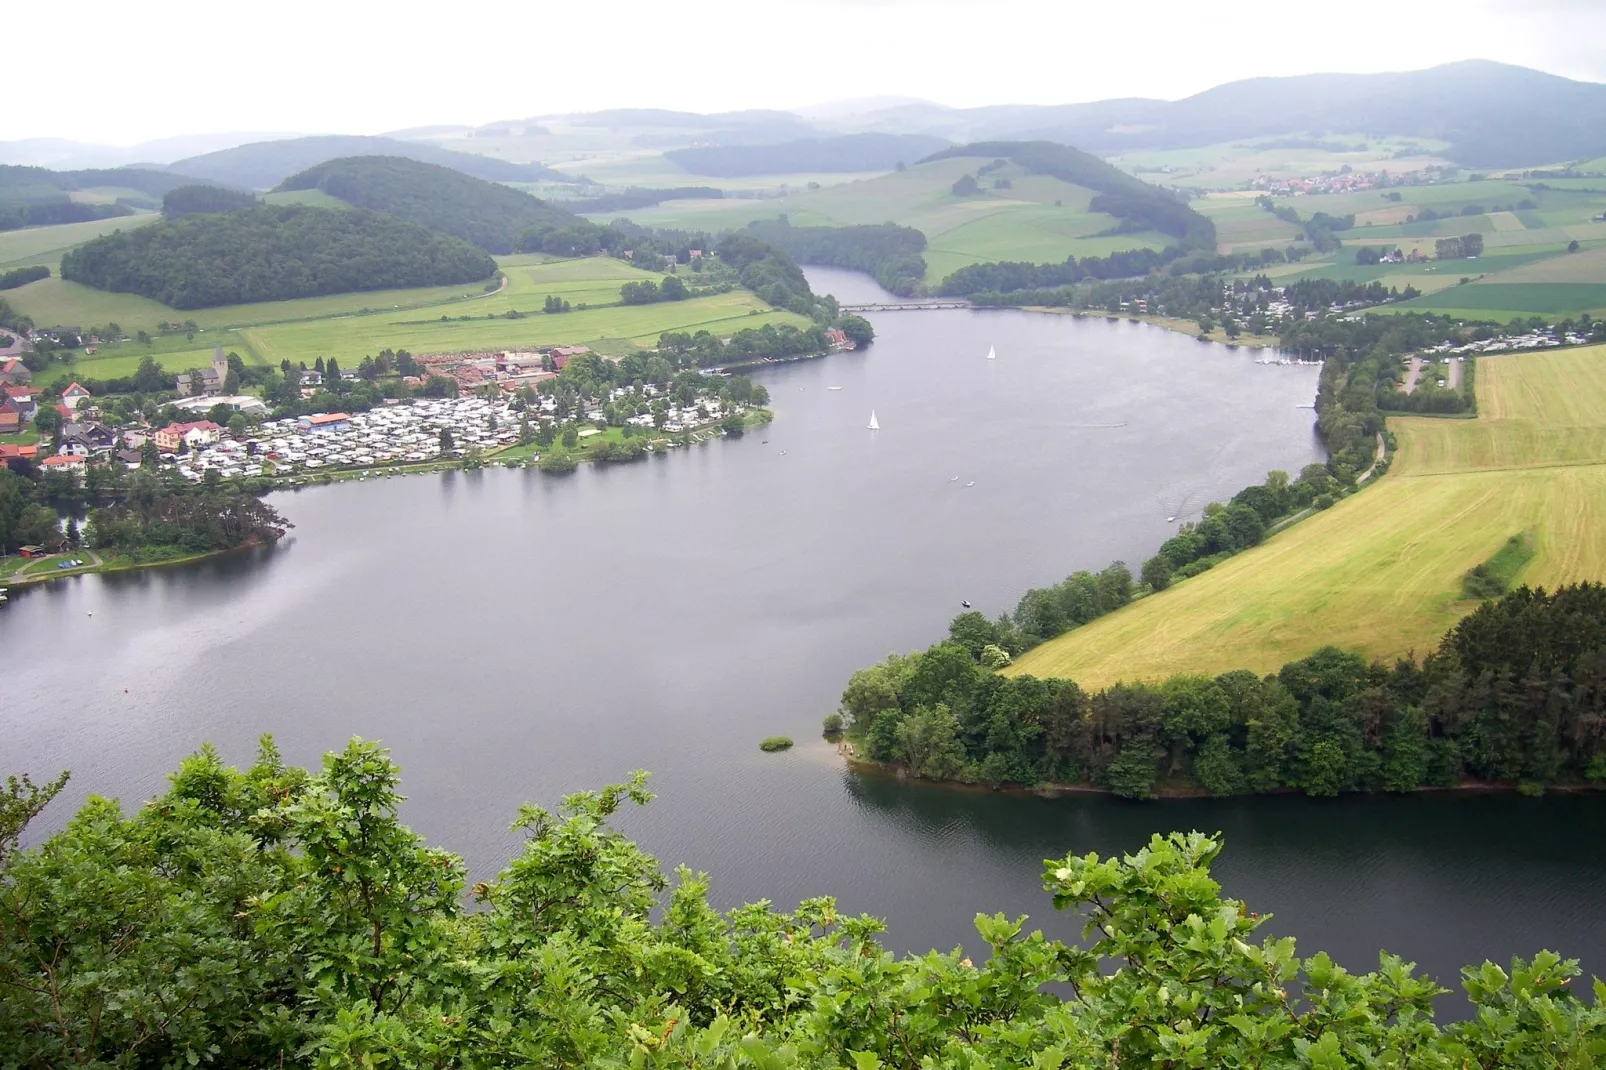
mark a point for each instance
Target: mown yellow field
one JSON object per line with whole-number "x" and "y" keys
{"x": 1380, "y": 572}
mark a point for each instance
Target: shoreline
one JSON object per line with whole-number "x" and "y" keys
{"x": 108, "y": 567}
{"x": 899, "y": 772}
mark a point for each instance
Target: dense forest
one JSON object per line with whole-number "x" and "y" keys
{"x": 272, "y": 253}
{"x": 285, "y": 917}
{"x": 887, "y": 251}
{"x": 1514, "y": 694}
{"x": 199, "y": 200}
{"x": 844, "y": 153}
{"x": 490, "y": 215}
{"x": 1136, "y": 203}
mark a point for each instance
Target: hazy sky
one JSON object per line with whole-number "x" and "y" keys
{"x": 98, "y": 71}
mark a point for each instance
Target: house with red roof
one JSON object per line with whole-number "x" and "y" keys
{"x": 196, "y": 433}
{"x": 74, "y": 396}
{"x": 14, "y": 371}
{"x": 66, "y": 462}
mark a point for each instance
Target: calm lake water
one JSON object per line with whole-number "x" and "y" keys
{"x": 513, "y": 636}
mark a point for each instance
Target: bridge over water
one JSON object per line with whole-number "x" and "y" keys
{"x": 904, "y": 306}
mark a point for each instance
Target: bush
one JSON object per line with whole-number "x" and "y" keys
{"x": 775, "y": 743}
{"x": 559, "y": 463}
{"x": 832, "y": 725}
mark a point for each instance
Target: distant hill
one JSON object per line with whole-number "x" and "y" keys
{"x": 1138, "y": 205}
{"x": 34, "y": 196}
{"x": 267, "y": 163}
{"x": 490, "y": 215}
{"x": 658, "y": 126}
{"x": 849, "y": 152}
{"x": 272, "y": 253}
{"x": 1492, "y": 114}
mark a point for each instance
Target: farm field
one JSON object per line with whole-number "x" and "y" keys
{"x": 1038, "y": 218}
{"x": 1380, "y": 571}
{"x": 427, "y": 320}
{"x": 44, "y": 245}
{"x": 608, "y": 330}
{"x": 1232, "y": 164}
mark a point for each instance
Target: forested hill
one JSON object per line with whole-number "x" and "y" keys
{"x": 1136, "y": 203}
{"x": 490, "y": 215}
{"x": 1490, "y": 114}
{"x": 264, "y": 164}
{"x": 847, "y": 153}
{"x": 35, "y": 196}
{"x": 272, "y": 253}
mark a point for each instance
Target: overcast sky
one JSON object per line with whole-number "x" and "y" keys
{"x": 97, "y": 71}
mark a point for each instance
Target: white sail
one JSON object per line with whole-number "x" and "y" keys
{"x": 992, "y": 354}
{"x": 874, "y": 426}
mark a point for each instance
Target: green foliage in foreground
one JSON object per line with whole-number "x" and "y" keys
{"x": 275, "y": 917}
{"x": 774, "y": 743}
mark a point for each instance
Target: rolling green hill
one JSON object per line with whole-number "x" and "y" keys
{"x": 35, "y": 196}
{"x": 847, "y": 153}
{"x": 265, "y": 164}
{"x": 490, "y": 215}
{"x": 1137, "y": 204}
{"x": 272, "y": 253}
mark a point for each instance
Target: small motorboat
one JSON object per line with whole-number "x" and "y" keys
{"x": 953, "y": 479}
{"x": 972, "y": 483}
{"x": 1170, "y": 520}
{"x": 833, "y": 388}
{"x": 966, "y": 603}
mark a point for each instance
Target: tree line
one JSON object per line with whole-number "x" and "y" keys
{"x": 890, "y": 253}
{"x": 10, "y": 280}
{"x": 280, "y": 916}
{"x": 272, "y": 253}
{"x": 201, "y": 199}
{"x": 1514, "y": 694}
{"x": 133, "y": 513}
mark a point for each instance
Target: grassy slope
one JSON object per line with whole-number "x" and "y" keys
{"x": 1019, "y": 223}
{"x": 1380, "y": 572}
{"x": 44, "y": 245}
{"x": 348, "y": 326}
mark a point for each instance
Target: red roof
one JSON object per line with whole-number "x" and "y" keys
{"x": 56, "y": 462}
{"x": 195, "y": 425}
{"x": 7, "y": 451}
{"x": 75, "y": 390}
{"x": 326, "y": 418}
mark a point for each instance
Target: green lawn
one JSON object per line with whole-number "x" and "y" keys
{"x": 1501, "y": 301}
{"x": 1380, "y": 571}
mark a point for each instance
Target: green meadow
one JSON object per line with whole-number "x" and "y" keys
{"x": 1380, "y": 572}
{"x": 428, "y": 320}
{"x": 1036, "y": 218}
{"x": 44, "y": 245}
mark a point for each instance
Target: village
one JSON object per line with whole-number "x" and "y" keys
{"x": 510, "y": 407}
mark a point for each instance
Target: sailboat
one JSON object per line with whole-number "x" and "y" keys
{"x": 874, "y": 426}
{"x": 992, "y": 354}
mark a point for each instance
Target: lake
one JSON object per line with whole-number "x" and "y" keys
{"x": 512, "y": 636}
